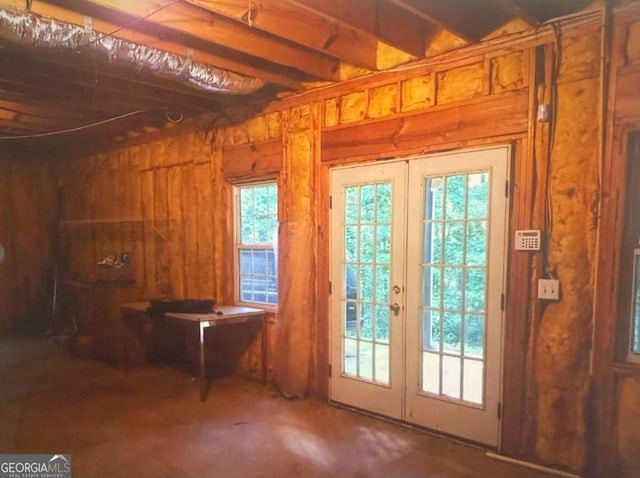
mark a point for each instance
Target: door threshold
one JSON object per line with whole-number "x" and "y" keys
{"x": 413, "y": 426}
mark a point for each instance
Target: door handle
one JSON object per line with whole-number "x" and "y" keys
{"x": 395, "y": 307}
{"x": 396, "y": 289}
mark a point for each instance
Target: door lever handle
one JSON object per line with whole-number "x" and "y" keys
{"x": 395, "y": 307}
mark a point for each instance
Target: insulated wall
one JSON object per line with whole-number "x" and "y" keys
{"x": 28, "y": 226}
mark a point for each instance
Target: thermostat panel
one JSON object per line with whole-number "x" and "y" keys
{"x": 527, "y": 240}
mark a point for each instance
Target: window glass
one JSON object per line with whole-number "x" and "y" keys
{"x": 257, "y": 229}
{"x": 629, "y": 304}
{"x": 635, "y": 309}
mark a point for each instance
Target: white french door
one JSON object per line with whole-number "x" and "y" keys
{"x": 367, "y": 262}
{"x": 417, "y": 272}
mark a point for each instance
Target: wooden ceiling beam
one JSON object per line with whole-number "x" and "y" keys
{"x": 57, "y": 105}
{"x": 301, "y": 25}
{"x": 380, "y": 18}
{"x": 470, "y": 20}
{"x": 10, "y": 129}
{"x": 69, "y": 16}
{"x": 43, "y": 110}
{"x": 217, "y": 30}
{"x": 546, "y": 10}
{"x": 63, "y": 97}
{"x": 32, "y": 122}
{"x": 516, "y": 10}
{"x": 86, "y": 79}
{"x": 76, "y": 102}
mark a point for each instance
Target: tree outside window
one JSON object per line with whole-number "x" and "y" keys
{"x": 257, "y": 236}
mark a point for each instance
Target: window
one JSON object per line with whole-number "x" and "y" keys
{"x": 634, "y": 346}
{"x": 256, "y": 243}
{"x": 630, "y": 257}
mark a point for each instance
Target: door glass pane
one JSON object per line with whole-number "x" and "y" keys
{"x": 366, "y": 321}
{"x": 455, "y": 193}
{"x": 452, "y": 325}
{"x": 453, "y": 288}
{"x": 350, "y": 356}
{"x": 478, "y": 195}
{"x": 382, "y": 324}
{"x": 365, "y": 360}
{"x": 451, "y": 376}
{"x": 431, "y": 372}
{"x": 635, "y": 329}
{"x": 454, "y": 275}
{"x": 474, "y": 336}
{"x": 367, "y": 279}
{"x": 382, "y": 363}
{"x": 351, "y": 243}
{"x": 474, "y": 295}
{"x": 473, "y": 381}
{"x": 432, "y": 329}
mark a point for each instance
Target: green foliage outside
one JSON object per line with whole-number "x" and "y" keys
{"x": 259, "y": 214}
{"x": 452, "y": 220}
{"x": 258, "y": 281}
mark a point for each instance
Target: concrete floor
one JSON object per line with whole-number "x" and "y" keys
{"x": 148, "y": 422}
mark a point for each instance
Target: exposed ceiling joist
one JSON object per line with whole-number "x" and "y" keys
{"x": 68, "y": 15}
{"x": 383, "y": 19}
{"x": 285, "y": 43}
{"x": 469, "y": 19}
{"x": 515, "y": 10}
{"x": 302, "y": 26}
{"x": 211, "y": 28}
{"x": 85, "y": 81}
{"x": 544, "y": 10}
{"x": 36, "y": 123}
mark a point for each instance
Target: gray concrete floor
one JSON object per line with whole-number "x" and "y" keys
{"x": 149, "y": 422}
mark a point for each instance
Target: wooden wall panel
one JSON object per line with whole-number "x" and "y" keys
{"x": 628, "y": 417}
{"x": 253, "y": 160}
{"x": 191, "y": 222}
{"x": 150, "y": 226}
{"x": 161, "y": 219}
{"x": 28, "y": 230}
{"x": 496, "y": 116}
{"x": 176, "y": 269}
{"x": 615, "y": 440}
{"x": 627, "y": 102}
{"x": 205, "y": 229}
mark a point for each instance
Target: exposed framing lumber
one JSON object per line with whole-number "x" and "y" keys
{"x": 518, "y": 11}
{"x": 410, "y": 133}
{"x": 259, "y": 159}
{"x": 382, "y": 19}
{"x": 301, "y": 25}
{"x": 128, "y": 93}
{"x": 218, "y": 30}
{"x": 35, "y": 122}
{"x": 66, "y": 15}
{"x": 468, "y": 20}
{"x": 461, "y": 57}
{"x": 602, "y": 453}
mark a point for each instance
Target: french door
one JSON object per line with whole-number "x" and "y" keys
{"x": 417, "y": 254}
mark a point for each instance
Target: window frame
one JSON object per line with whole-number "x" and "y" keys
{"x": 630, "y": 243}
{"x": 238, "y": 245}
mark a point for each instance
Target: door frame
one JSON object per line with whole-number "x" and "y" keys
{"x": 513, "y": 149}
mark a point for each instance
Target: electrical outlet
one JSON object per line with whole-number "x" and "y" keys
{"x": 549, "y": 289}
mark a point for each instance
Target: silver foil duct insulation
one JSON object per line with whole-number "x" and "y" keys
{"x": 30, "y": 30}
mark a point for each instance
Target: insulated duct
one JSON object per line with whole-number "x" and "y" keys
{"x": 34, "y": 31}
